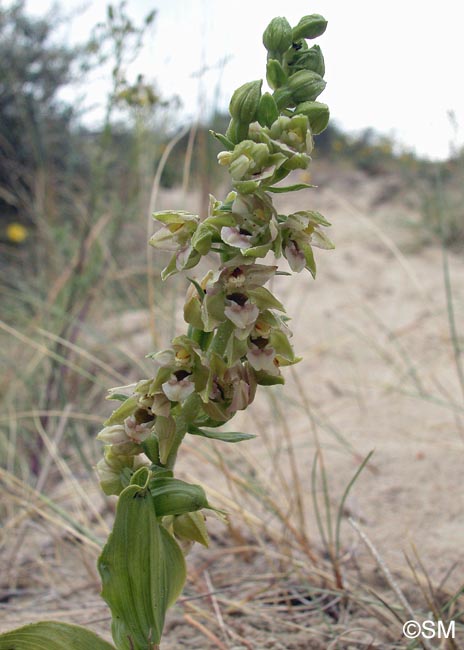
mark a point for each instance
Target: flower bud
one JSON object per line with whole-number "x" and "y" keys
{"x": 283, "y": 97}
{"x": 237, "y": 131}
{"x": 309, "y": 27}
{"x": 312, "y": 59}
{"x": 114, "y": 471}
{"x": 277, "y": 37}
{"x": 202, "y": 238}
{"x": 275, "y": 74}
{"x": 191, "y": 526}
{"x": 293, "y": 132}
{"x": 305, "y": 85}
{"x": 267, "y": 110}
{"x": 245, "y": 100}
{"x": 239, "y": 167}
{"x": 317, "y": 113}
{"x": 297, "y": 161}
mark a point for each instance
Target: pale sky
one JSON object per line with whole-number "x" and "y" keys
{"x": 392, "y": 65}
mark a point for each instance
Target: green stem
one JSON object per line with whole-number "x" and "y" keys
{"x": 181, "y": 430}
{"x": 188, "y": 414}
{"x": 221, "y": 338}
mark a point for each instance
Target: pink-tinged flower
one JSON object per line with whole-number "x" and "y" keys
{"x": 320, "y": 240}
{"x": 242, "y": 316}
{"x": 177, "y": 390}
{"x": 263, "y": 359}
{"x": 183, "y": 256}
{"x": 177, "y": 230}
{"x": 164, "y": 358}
{"x": 234, "y": 237}
{"x": 117, "y": 438}
{"x": 245, "y": 275}
{"x": 234, "y": 389}
{"x": 241, "y": 396}
{"x": 113, "y": 435}
{"x": 137, "y": 432}
{"x": 295, "y": 256}
{"x": 161, "y": 405}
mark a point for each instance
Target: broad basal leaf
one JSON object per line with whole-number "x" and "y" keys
{"x": 142, "y": 570}
{"x": 49, "y": 635}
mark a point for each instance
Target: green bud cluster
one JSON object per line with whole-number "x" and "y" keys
{"x": 238, "y": 336}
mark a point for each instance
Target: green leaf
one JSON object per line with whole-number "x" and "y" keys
{"x": 313, "y": 217}
{"x": 172, "y": 496}
{"x": 140, "y": 477}
{"x": 192, "y": 527}
{"x": 49, "y": 635}
{"x": 166, "y": 431}
{"x": 265, "y": 379}
{"x": 264, "y": 299}
{"x": 118, "y": 396}
{"x": 223, "y": 140}
{"x": 142, "y": 570}
{"x": 201, "y": 293}
{"x": 289, "y": 188}
{"x": 225, "y": 436}
{"x": 309, "y": 257}
{"x": 120, "y": 414}
{"x": 169, "y": 217}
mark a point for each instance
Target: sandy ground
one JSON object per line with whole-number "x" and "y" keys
{"x": 378, "y": 373}
{"x": 378, "y": 366}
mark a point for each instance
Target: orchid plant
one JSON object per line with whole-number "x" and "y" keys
{"x": 237, "y": 338}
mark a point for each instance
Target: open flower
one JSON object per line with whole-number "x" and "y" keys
{"x": 178, "y": 387}
{"x": 231, "y": 389}
{"x": 251, "y": 163}
{"x": 294, "y": 132}
{"x": 242, "y": 313}
{"x": 137, "y": 431}
{"x": 295, "y": 256}
{"x": 176, "y": 235}
{"x": 263, "y": 359}
{"x": 300, "y": 232}
{"x": 236, "y": 237}
{"x": 177, "y": 231}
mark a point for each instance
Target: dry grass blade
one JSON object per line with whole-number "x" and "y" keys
{"x": 389, "y": 578}
{"x": 151, "y": 208}
{"x": 32, "y": 500}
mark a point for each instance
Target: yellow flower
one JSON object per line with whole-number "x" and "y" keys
{"x": 16, "y": 233}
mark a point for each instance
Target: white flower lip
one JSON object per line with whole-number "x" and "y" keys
{"x": 263, "y": 360}
{"x": 242, "y": 316}
{"x": 135, "y": 431}
{"x": 235, "y": 238}
{"x": 177, "y": 390}
{"x": 295, "y": 257}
